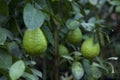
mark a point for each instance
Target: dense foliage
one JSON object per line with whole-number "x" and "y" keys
{"x": 53, "y": 52}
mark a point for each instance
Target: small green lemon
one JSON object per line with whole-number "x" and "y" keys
{"x": 77, "y": 70}
{"x": 74, "y": 36}
{"x": 90, "y": 49}
{"x": 62, "y": 50}
{"x": 34, "y": 41}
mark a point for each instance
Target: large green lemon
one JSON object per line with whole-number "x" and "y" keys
{"x": 34, "y": 41}
{"x": 62, "y": 50}
{"x": 90, "y": 49}
{"x": 74, "y": 36}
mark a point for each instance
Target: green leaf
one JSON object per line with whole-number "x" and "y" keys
{"x": 72, "y": 24}
{"x": 76, "y": 7}
{"x": 117, "y": 9}
{"x": 28, "y": 76}
{"x": 86, "y": 11}
{"x": 77, "y": 70}
{"x": 96, "y": 73}
{"x": 93, "y": 2}
{"x": 5, "y": 59}
{"x": 33, "y": 18}
{"x": 78, "y": 16}
{"x": 88, "y": 26}
{"x": 3, "y": 36}
{"x": 14, "y": 49}
{"x": 87, "y": 67}
{"x": 36, "y": 72}
{"x": 31, "y": 63}
{"x": 17, "y": 70}
{"x": 9, "y": 34}
{"x": 101, "y": 65}
{"x": 4, "y": 10}
{"x": 49, "y": 35}
{"x": 112, "y": 71}
{"x": 114, "y": 2}
{"x": 92, "y": 20}
{"x": 68, "y": 57}
{"x": 42, "y": 4}
{"x": 76, "y": 53}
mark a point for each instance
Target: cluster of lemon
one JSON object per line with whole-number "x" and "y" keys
{"x": 89, "y": 48}
{"x": 35, "y": 42}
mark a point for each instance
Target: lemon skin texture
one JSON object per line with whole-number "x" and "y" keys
{"x": 62, "y": 50}
{"x": 74, "y": 36}
{"x": 90, "y": 49}
{"x": 34, "y": 41}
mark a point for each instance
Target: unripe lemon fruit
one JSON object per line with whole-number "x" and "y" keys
{"x": 34, "y": 41}
{"x": 74, "y": 36}
{"x": 62, "y": 50}
{"x": 77, "y": 70}
{"x": 90, "y": 49}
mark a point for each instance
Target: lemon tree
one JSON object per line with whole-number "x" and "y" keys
{"x": 51, "y": 39}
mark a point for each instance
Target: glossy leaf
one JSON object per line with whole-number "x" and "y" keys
{"x": 72, "y": 24}
{"x": 36, "y": 72}
{"x": 3, "y": 36}
{"x": 114, "y": 2}
{"x": 49, "y": 35}
{"x": 78, "y": 16}
{"x": 96, "y": 73}
{"x": 92, "y": 20}
{"x": 93, "y": 2}
{"x": 30, "y": 63}
{"x": 28, "y": 76}
{"x": 88, "y": 26}
{"x": 67, "y": 57}
{"x": 117, "y": 9}
{"x": 9, "y": 34}
{"x": 87, "y": 67}
{"x": 17, "y": 70}
{"x": 5, "y": 59}
{"x": 14, "y": 49}
{"x": 33, "y": 18}
{"x": 75, "y": 7}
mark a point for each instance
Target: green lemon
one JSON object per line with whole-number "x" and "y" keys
{"x": 77, "y": 70}
{"x": 90, "y": 49}
{"x": 34, "y": 41}
{"x": 74, "y": 36}
{"x": 62, "y": 50}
